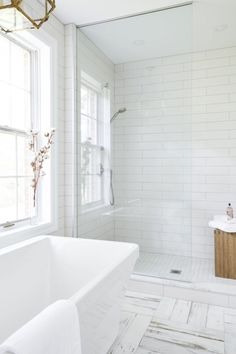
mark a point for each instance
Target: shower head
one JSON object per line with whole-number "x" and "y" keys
{"x": 120, "y": 111}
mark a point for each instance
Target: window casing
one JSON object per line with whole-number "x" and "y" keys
{"x": 93, "y": 145}
{"x": 37, "y": 113}
{"x": 15, "y": 123}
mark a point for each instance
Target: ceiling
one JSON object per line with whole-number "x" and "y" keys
{"x": 87, "y": 11}
{"x": 207, "y": 24}
{"x": 148, "y": 36}
{"x": 214, "y": 24}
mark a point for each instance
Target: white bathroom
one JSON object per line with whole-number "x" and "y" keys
{"x": 118, "y": 177}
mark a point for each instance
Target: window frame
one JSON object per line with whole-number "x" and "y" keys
{"x": 44, "y": 50}
{"x": 18, "y": 132}
{"x": 91, "y": 84}
{"x": 15, "y": 133}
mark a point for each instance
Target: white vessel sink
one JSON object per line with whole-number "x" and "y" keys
{"x": 221, "y": 222}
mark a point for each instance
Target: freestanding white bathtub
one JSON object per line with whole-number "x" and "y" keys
{"x": 39, "y": 271}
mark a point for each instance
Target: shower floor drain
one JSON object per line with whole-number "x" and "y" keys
{"x": 175, "y": 271}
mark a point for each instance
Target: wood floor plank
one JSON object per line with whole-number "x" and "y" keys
{"x": 165, "y": 308}
{"x": 181, "y": 311}
{"x": 198, "y": 315}
{"x": 129, "y": 341}
{"x": 170, "y": 346}
{"x": 230, "y": 332}
{"x": 186, "y": 328}
{"x": 215, "y": 318}
{"x": 146, "y": 351}
{"x": 154, "y": 325}
{"x": 125, "y": 321}
{"x": 140, "y": 295}
{"x": 141, "y": 303}
{"x": 167, "y": 340}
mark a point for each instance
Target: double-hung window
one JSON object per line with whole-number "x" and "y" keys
{"x": 15, "y": 123}
{"x": 93, "y": 144}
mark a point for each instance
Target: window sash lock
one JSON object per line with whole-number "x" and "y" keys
{"x": 8, "y": 225}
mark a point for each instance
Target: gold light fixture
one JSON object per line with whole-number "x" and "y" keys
{"x": 16, "y": 15}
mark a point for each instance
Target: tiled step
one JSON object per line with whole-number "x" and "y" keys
{"x": 208, "y": 293}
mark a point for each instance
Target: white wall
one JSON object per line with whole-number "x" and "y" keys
{"x": 56, "y": 30}
{"x": 174, "y": 150}
{"x": 70, "y": 127}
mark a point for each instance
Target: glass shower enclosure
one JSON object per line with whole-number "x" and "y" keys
{"x": 151, "y": 136}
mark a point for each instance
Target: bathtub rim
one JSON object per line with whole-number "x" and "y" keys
{"x": 131, "y": 250}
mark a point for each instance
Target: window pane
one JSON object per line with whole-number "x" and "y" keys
{"x": 84, "y": 100}
{"x": 91, "y": 154}
{"x": 96, "y": 188}
{"x": 8, "y": 200}
{"x": 89, "y": 102}
{"x": 20, "y": 109}
{"x": 92, "y": 112}
{"x": 88, "y": 130}
{"x": 5, "y": 103}
{"x": 91, "y": 159}
{"x": 8, "y": 154}
{"x": 14, "y": 85}
{"x": 91, "y": 189}
{"x": 20, "y": 67}
{"x": 23, "y": 157}
{"x": 4, "y": 59}
{"x": 25, "y": 198}
{"x": 95, "y": 161}
{"x": 15, "y": 112}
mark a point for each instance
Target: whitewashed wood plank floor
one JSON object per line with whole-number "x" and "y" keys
{"x": 156, "y": 325}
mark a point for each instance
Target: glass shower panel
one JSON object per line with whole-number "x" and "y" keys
{"x": 213, "y": 129}
{"x": 152, "y": 139}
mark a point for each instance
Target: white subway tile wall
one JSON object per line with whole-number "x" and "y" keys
{"x": 56, "y": 29}
{"x": 70, "y": 130}
{"x": 174, "y": 150}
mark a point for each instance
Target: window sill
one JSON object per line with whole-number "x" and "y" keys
{"x": 19, "y": 234}
{"x": 91, "y": 209}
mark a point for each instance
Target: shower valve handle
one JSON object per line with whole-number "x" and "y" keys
{"x": 102, "y": 170}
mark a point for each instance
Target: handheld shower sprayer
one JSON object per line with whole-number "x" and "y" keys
{"x": 120, "y": 111}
